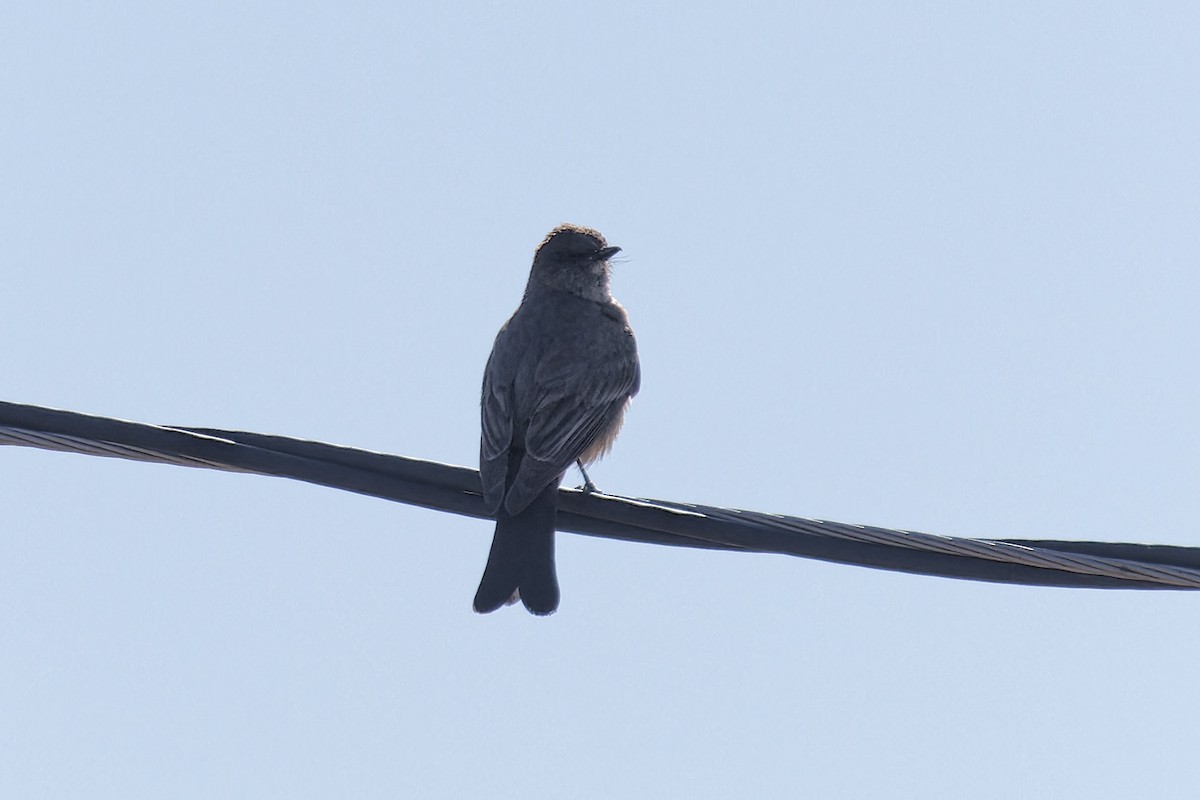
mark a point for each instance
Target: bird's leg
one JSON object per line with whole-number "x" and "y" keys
{"x": 588, "y": 486}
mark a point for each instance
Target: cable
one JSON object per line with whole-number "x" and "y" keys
{"x": 456, "y": 489}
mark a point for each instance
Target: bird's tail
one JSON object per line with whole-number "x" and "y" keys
{"x": 521, "y": 561}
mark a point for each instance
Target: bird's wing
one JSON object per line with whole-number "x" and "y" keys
{"x": 577, "y": 403}
{"x": 496, "y": 415}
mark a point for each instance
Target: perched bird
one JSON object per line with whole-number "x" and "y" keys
{"x": 561, "y": 374}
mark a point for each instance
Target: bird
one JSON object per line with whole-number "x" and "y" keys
{"x": 561, "y": 374}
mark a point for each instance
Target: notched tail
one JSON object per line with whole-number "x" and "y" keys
{"x": 521, "y": 561}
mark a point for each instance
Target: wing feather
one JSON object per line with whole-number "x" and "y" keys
{"x": 569, "y": 417}
{"x": 496, "y": 416}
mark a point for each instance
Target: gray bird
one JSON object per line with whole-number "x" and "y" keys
{"x": 561, "y": 374}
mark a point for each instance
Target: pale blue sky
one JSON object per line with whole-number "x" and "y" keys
{"x": 928, "y": 266}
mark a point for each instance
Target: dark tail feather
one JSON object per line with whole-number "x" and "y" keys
{"x": 522, "y": 558}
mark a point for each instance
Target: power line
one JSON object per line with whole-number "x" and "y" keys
{"x": 456, "y": 489}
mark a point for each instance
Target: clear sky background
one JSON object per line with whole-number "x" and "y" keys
{"x": 919, "y": 265}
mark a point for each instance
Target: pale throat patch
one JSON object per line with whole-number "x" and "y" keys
{"x": 598, "y": 289}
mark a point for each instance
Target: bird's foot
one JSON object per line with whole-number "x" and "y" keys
{"x": 588, "y": 487}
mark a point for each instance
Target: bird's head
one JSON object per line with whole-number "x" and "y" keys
{"x": 574, "y": 259}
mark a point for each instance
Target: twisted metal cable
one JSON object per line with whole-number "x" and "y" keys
{"x": 456, "y": 489}
{"x": 991, "y": 549}
{"x": 73, "y": 444}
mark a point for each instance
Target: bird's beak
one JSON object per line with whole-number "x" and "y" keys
{"x": 605, "y": 253}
